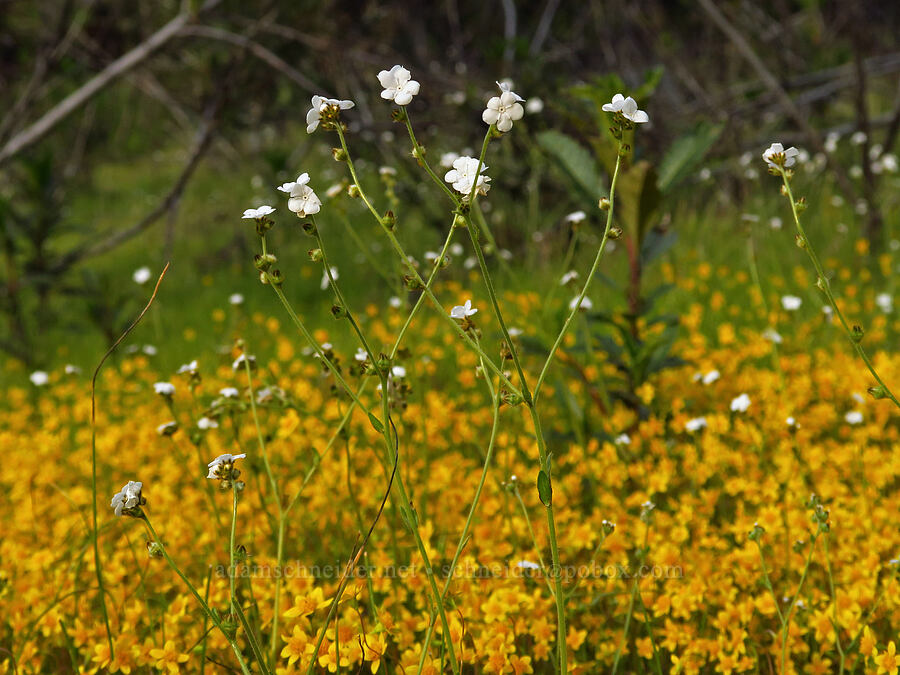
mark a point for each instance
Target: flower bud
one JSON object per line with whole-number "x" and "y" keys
{"x": 615, "y": 232}
{"x": 276, "y": 278}
{"x": 878, "y": 392}
{"x": 154, "y": 550}
{"x": 388, "y": 220}
{"x": 801, "y": 242}
{"x": 264, "y": 262}
{"x": 353, "y": 191}
{"x": 339, "y": 154}
{"x": 315, "y": 254}
{"x": 856, "y": 334}
{"x": 309, "y": 227}
{"x": 801, "y": 205}
{"x": 338, "y": 311}
{"x": 821, "y": 284}
{"x": 603, "y": 204}
{"x": 756, "y": 533}
{"x": 608, "y": 527}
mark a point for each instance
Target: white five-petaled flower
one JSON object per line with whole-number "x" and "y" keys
{"x": 398, "y": 87}
{"x": 627, "y": 108}
{"x": 791, "y": 303}
{"x": 504, "y": 109}
{"x": 776, "y": 156}
{"x": 260, "y": 212}
{"x": 303, "y": 201}
{"x": 463, "y": 311}
{"x": 129, "y": 497}
{"x": 39, "y": 378}
{"x": 853, "y": 417}
{"x": 586, "y": 304}
{"x": 142, "y": 275}
{"x": 164, "y": 388}
{"x": 740, "y": 404}
{"x": 463, "y": 176}
{"x": 319, "y": 104}
{"x": 695, "y": 424}
{"x": 222, "y": 465}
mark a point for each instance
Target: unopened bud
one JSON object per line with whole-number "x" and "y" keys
{"x": 801, "y": 242}
{"x": 315, "y": 254}
{"x": 615, "y": 232}
{"x": 309, "y": 227}
{"x": 264, "y": 262}
{"x": 856, "y": 334}
{"x": 603, "y": 204}
{"x": 276, "y": 278}
{"x": 878, "y": 392}
{"x": 338, "y": 311}
{"x": 353, "y": 190}
{"x": 388, "y": 220}
{"x": 339, "y": 154}
{"x": 801, "y": 205}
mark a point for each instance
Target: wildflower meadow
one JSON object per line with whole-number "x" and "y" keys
{"x": 496, "y": 379}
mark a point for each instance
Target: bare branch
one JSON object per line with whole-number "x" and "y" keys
{"x": 257, "y": 50}
{"x": 92, "y": 87}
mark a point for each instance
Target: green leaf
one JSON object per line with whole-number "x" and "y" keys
{"x": 575, "y": 161}
{"x": 640, "y": 198}
{"x": 545, "y": 491}
{"x": 379, "y": 427}
{"x": 686, "y": 153}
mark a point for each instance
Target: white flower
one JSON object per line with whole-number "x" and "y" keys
{"x": 740, "y": 404}
{"x": 303, "y": 201}
{"x": 711, "y": 377}
{"x": 187, "y": 368}
{"x": 576, "y": 217}
{"x": 222, "y": 465}
{"x": 571, "y": 275}
{"x": 504, "y": 109}
{"x": 463, "y": 311}
{"x": 263, "y": 210}
{"x": 776, "y": 156}
{"x": 325, "y": 280}
{"x": 149, "y": 350}
{"x": 72, "y": 369}
{"x": 775, "y": 223}
{"x": 791, "y": 422}
{"x": 164, "y": 388}
{"x": 772, "y": 335}
{"x": 463, "y": 176}
{"x": 361, "y": 355}
{"x": 622, "y": 439}
{"x": 858, "y": 138}
{"x": 527, "y": 565}
{"x": 39, "y": 378}
{"x": 205, "y": 423}
{"x": 235, "y": 299}
{"x": 831, "y": 141}
{"x": 240, "y": 360}
{"x": 448, "y": 158}
{"x": 853, "y": 417}
{"x": 128, "y": 497}
{"x": 586, "y": 304}
{"x": 395, "y": 302}
{"x": 791, "y": 303}
{"x": 229, "y": 392}
{"x": 627, "y": 107}
{"x": 319, "y": 104}
{"x": 456, "y": 249}
{"x": 885, "y": 302}
{"x": 399, "y": 371}
{"x": 397, "y": 85}
{"x": 515, "y": 332}
{"x": 142, "y": 275}
{"x": 695, "y": 424}
{"x": 167, "y": 429}
{"x": 534, "y": 106}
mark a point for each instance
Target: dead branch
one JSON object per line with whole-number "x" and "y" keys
{"x": 96, "y": 84}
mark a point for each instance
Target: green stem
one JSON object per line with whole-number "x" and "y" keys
{"x": 825, "y": 286}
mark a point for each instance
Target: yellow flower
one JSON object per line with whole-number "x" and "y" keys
{"x": 888, "y": 662}
{"x": 297, "y": 645}
{"x": 169, "y": 657}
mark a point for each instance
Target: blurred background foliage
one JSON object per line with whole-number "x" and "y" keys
{"x": 135, "y": 133}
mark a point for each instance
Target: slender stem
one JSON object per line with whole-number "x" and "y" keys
{"x": 419, "y": 154}
{"x": 825, "y": 286}
{"x": 837, "y": 627}
{"x": 587, "y": 282}
{"x": 785, "y": 625}
{"x": 203, "y": 605}
{"x": 231, "y": 570}
{"x": 768, "y": 582}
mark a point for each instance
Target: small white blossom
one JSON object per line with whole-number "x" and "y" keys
{"x": 319, "y": 103}
{"x": 622, "y": 439}
{"x": 240, "y": 360}
{"x": 142, "y": 275}
{"x": 831, "y": 141}
{"x": 586, "y": 304}
{"x": 222, "y": 465}
{"x": 504, "y": 109}
{"x": 772, "y": 335}
{"x": 885, "y": 302}
{"x": 260, "y": 212}
{"x": 164, "y": 388}
{"x": 398, "y": 87}
{"x": 325, "y": 280}
{"x": 395, "y": 302}
{"x": 853, "y": 417}
{"x": 515, "y": 332}
{"x": 39, "y": 378}
{"x": 448, "y": 158}
{"x": 627, "y": 107}
{"x": 463, "y": 311}
{"x": 740, "y": 404}
{"x": 72, "y": 369}
{"x": 229, "y": 392}
{"x": 576, "y": 217}
{"x": 463, "y": 176}
{"x": 858, "y": 138}
{"x": 205, "y": 423}
{"x": 791, "y": 422}
{"x": 149, "y": 350}
{"x": 303, "y": 201}
{"x": 527, "y": 565}
{"x": 235, "y": 299}
{"x": 128, "y": 497}
{"x": 361, "y": 355}
{"x": 711, "y": 377}
{"x": 775, "y": 223}
{"x": 695, "y": 424}
{"x": 167, "y": 429}
{"x": 534, "y": 106}
{"x": 776, "y": 156}
{"x": 571, "y": 275}
{"x": 187, "y": 368}
{"x": 398, "y": 371}
{"x": 791, "y": 303}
